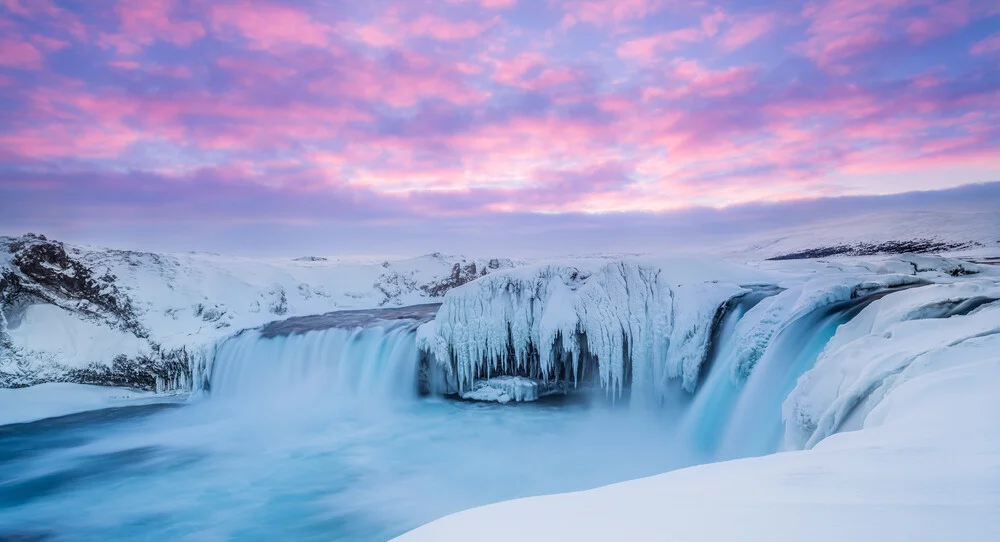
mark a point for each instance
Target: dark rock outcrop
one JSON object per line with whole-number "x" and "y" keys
{"x": 915, "y": 246}
{"x": 42, "y": 271}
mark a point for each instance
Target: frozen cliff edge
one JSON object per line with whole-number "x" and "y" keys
{"x": 641, "y": 325}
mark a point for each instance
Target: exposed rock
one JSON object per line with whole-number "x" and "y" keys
{"x": 916, "y": 246}
{"x": 42, "y": 271}
{"x": 461, "y": 274}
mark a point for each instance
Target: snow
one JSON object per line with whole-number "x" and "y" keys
{"x": 876, "y": 351}
{"x": 504, "y": 389}
{"x": 975, "y": 231}
{"x": 924, "y": 467}
{"x": 68, "y": 339}
{"x": 22, "y": 405}
{"x": 888, "y": 428}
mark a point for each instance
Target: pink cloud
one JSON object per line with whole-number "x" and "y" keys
{"x": 104, "y": 141}
{"x": 446, "y": 30}
{"x": 941, "y": 19}
{"x": 533, "y": 71}
{"x": 15, "y": 53}
{"x": 648, "y": 49}
{"x": 144, "y": 21}
{"x": 498, "y": 4}
{"x": 377, "y": 37}
{"x": 267, "y": 25}
{"x": 988, "y": 45}
{"x": 606, "y": 12}
{"x": 685, "y": 77}
{"x": 746, "y": 30}
{"x": 364, "y": 79}
{"x": 840, "y": 29}
{"x": 710, "y": 23}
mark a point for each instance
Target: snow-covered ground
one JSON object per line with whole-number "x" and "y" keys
{"x": 872, "y": 233}
{"x": 22, "y": 405}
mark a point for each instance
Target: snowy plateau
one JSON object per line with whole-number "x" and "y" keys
{"x": 831, "y": 388}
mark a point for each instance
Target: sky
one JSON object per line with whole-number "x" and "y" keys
{"x": 208, "y": 122}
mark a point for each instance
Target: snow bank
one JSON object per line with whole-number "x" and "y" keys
{"x": 874, "y": 352}
{"x": 924, "y": 468}
{"x": 22, "y": 405}
{"x": 554, "y": 322}
{"x": 69, "y": 340}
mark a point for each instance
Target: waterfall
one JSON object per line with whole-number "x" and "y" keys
{"x": 349, "y": 356}
{"x": 754, "y": 348}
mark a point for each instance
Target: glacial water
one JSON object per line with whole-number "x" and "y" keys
{"x": 321, "y": 435}
{"x": 268, "y": 472}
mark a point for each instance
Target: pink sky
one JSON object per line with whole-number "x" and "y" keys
{"x": 464, "y": 108}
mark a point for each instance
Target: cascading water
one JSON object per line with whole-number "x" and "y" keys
{"x": 754, "y": 425}
{"x": 346, "y": 357}
{"x": 372, "y": 357}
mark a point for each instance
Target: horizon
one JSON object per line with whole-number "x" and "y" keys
{"x": 704, "y": 230}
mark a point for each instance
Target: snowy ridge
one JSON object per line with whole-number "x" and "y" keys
{"x": 875, "y": 234}
{"x": 885, "y": 345}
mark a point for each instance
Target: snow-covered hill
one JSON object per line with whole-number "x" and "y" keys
{"x": 874, "y": 233}
{"x": 113, "y": 317}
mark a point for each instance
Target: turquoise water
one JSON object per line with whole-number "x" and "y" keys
{"x": 223, "y": 472}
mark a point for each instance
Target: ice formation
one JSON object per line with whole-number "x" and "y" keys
{"x": 504, "y": 389}
{"x": 622, "y": 320}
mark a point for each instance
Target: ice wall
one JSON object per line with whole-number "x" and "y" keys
{"x": 624, "y": 321}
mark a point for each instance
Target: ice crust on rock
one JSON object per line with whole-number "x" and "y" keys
{"x": 504, "y": 389}
{"x": 553, "y": 322}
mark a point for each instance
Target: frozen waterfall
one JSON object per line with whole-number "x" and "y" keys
{"x": 740, "y": 368}
{"x": 367, "y": 356}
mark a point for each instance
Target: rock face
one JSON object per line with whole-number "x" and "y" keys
{"x": 41, "y": 271}
{"x": 394, "y": 283}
